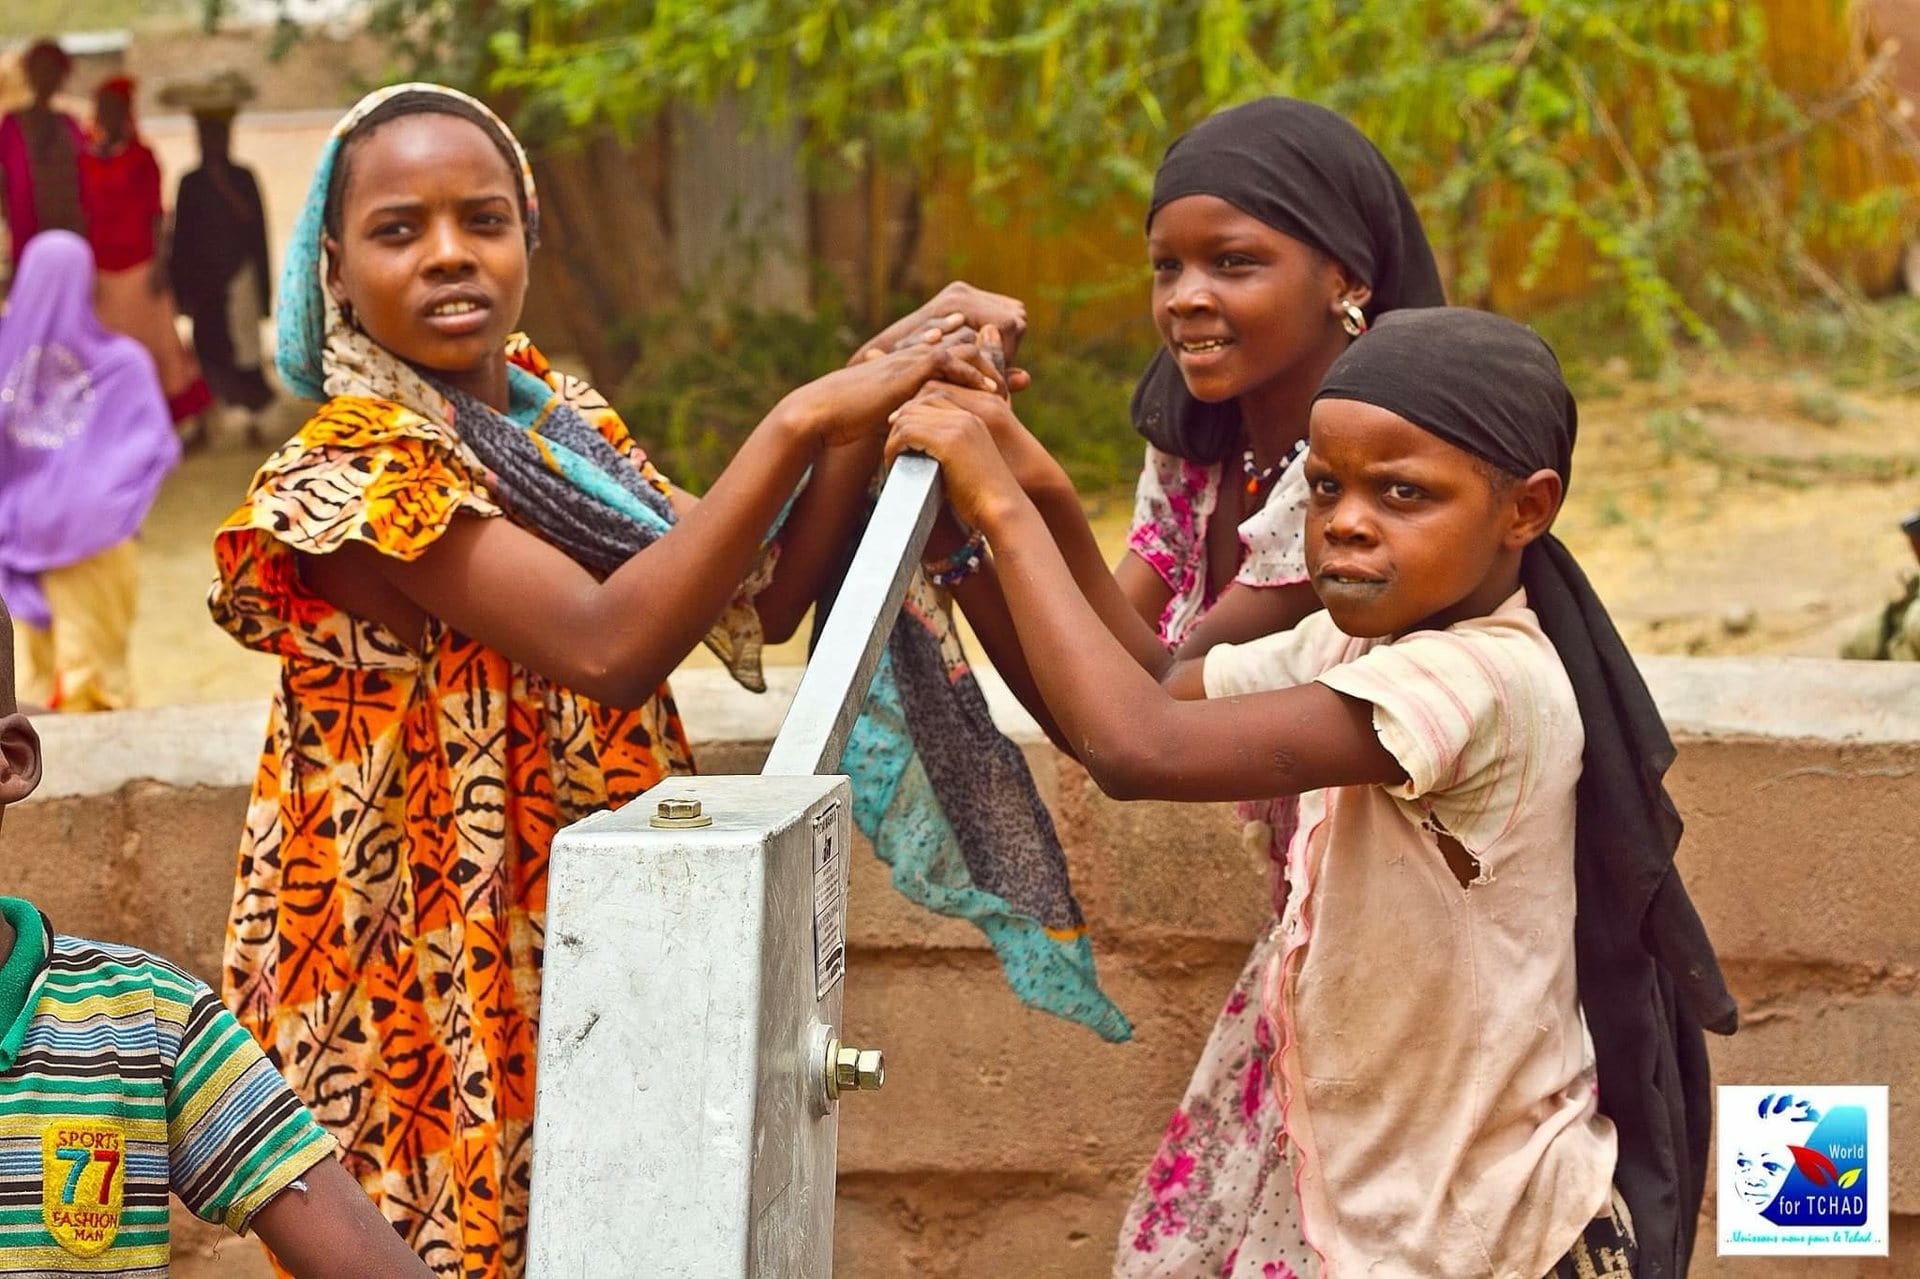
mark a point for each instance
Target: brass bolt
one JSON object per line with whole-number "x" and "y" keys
{"x": 854, "y": 1069}
{"x": 678, "y": 814}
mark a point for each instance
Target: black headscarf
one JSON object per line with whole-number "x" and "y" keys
{"x": 1307, "y": 173}
{"x": 1648, "y": 977}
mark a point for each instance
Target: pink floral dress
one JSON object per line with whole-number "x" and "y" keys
{"x": 1172, "y": 506}
{"x": 1218, "y": 1200}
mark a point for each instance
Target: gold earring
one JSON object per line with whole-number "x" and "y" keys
{"x": 1352, "y": 318}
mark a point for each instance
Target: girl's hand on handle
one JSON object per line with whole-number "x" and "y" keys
{"x": 980, "y": 487}
{"x": 851, "y": 403}
{"x": 1033, "y": 467}
{"x": 955, "y": 313}
{"x": 988, "y": 338}
{"x": 994, "y": 343}
{"x": 1013, "y": 379}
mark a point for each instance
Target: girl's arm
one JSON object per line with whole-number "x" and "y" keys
{"x": 617, "y": 640}
{"x": 1053, "y": 496}
{"x": 1247, "y": 612}
{"x": 1135, "y": 738}
{"x": 985, "y": 606}
{"x": 1242, "y": 612}
{"x": 1145, "y": 589}
{"x": 980, "y": 596}
{"x": 816, "y": 531}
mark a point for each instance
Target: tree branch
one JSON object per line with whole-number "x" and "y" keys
{"x": 1818, "y": 116}
{"x": 1496, "y": 20}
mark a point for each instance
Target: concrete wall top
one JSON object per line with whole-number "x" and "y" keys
{"x": 1795, "y": 698}
{"x": 1801, "y": 698}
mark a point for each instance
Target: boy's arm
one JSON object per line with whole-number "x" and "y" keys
{"x": 331, "y": 1230}
{"x": 241, "y": 1146}
{"x": 1135, "y": 738}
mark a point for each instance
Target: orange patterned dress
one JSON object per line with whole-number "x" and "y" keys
{"x": 386, "y": 935}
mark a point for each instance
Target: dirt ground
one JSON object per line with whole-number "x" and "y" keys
{"x": 1722, "y": 514}
{"x": 1755, "y": 512}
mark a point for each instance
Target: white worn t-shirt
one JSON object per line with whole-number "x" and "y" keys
{"x": 1435, "y": 1068}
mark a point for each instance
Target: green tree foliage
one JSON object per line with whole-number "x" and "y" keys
{"x": 1572, "y": 120}
{"x": 29, "y": 19}
{"x": 1643, "y": 141}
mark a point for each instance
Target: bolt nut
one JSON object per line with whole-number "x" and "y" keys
{"x": 678, "y": 814}
{"x": 846, "y": 1069}
{"x": 832, "y": 1071}
{"x": 858, "y": 1069}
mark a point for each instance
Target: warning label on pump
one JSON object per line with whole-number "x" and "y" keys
{"x": 829, "y": 900}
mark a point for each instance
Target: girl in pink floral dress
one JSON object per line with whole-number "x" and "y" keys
{"x": 1277, "y": 231}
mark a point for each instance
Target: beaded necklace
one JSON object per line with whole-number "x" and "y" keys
{"x": 1260, "y": 480}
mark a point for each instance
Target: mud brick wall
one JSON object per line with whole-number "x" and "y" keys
{"x": 1007, "y": 1142}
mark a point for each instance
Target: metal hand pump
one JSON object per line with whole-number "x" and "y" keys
{"x": 690, "y": 1065}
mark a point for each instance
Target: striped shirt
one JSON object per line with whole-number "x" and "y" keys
{"x": 127, "y": 1079}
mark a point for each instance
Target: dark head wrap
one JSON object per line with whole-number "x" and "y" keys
{"x": 1648, "y": 977}
{"x": 1307, "y": 173}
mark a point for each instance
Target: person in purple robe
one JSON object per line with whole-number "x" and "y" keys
{"x": 85, "y": 443}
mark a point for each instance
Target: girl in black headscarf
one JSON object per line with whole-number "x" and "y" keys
{"x": 1484, "y": 868}
{"x": 1277, "y": 232}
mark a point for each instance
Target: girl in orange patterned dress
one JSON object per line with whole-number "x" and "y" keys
{"x": 476, "y": 585}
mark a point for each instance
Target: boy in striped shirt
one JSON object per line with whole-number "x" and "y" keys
{"x": 122, "y": 1079}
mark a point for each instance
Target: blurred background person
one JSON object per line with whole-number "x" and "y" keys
{"x": 1892, "y": 632}
{"x": 120, "y": 197}
{"x": 85, "y": 442}
{"x": 218, "y": 265}
{"x": 40, "y": 154}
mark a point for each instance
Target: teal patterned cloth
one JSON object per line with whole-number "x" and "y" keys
{"x": 951, "y": 807}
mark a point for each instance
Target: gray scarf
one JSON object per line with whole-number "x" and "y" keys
{"x": 542, "y": 485}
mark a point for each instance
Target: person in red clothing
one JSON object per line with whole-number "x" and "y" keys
{"x": 120, "y": 194}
